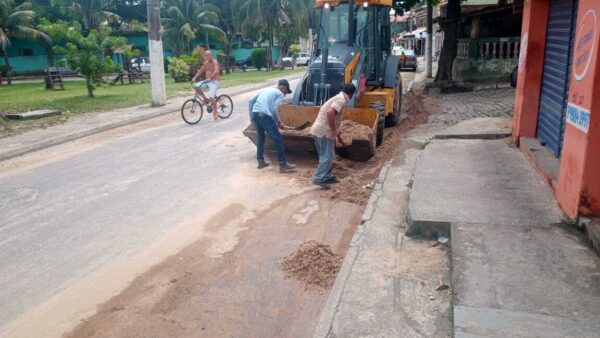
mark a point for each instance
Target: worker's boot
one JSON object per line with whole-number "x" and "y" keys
{"x": 286, "y": 167}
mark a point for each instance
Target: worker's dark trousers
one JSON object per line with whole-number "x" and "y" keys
{"x": 265, "y": 123}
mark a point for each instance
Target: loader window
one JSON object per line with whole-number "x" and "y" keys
{"x": 334, "y": 25}
{"x": 337, "y": 25}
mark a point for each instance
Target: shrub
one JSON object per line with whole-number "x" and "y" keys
{"x": 3, "y": 70}
{"x": 178, "y": 69}
{"x": 259, "y": 58}
{"x": 295, "y": 49}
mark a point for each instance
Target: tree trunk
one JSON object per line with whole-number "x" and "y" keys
{"x": 270, "y": 52}
{"x": 88, "y": 85}
{"x": 450, "y": 27}
{"x": 7, "y": 63}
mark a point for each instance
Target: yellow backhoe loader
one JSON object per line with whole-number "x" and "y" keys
{"x": 353, "y": 45}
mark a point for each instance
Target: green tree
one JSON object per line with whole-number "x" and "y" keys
{"x": 85, "y": 53}
{"x": 91, "y": 13}
{"x": 270, "y": 15}
{"x": 296, "y": 29}
{"x": 16, "y": 22}
{"x": 186, "y": 20}
{"x": 128, "y": 10}
{"x": 450, "y": 25}
{"x": 229, "y": 26}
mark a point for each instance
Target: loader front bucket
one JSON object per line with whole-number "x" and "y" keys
{"x": 302, "y": 141}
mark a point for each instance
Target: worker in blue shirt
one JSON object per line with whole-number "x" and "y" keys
{"x": 264, "y": 114}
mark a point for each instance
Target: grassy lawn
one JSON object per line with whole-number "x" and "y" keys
{"x": 22, "y": 97}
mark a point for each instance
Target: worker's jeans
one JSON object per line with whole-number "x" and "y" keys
{"x": 326, "y": 151}
{"x": 265, "y": 123}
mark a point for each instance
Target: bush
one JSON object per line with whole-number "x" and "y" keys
{"x": 259, "y": 58}
{"x": 178, "y": 69}
{"x": 295, "y": 49}
{"x": 3, "y": 70}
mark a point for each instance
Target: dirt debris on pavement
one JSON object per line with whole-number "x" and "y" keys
{"x": 313, "y": 263}
{"x": 355, "y": 176}
{"x": 413, "y": 111}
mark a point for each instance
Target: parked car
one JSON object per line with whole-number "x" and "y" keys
{"x": 287, "y": 62}
{"x": 141, "y": 63}
{"x": 247, "y": 62}
{"x": 408, "y": 59}
{"x": 298, "y": 59}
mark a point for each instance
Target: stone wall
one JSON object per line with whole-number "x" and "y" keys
{"x": 481, "y": 70}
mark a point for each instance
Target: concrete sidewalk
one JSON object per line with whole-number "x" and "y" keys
{"x": 95, "y": 122}
{"x": 512, "y": 266}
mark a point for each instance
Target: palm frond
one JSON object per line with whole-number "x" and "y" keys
{"x": 213, "y": 31}
{"x": 188, "y": 31}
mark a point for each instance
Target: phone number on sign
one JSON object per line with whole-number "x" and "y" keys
{"x": 578, "y": 117}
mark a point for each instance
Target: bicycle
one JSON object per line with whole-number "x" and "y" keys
{"x": 192, "y": 109}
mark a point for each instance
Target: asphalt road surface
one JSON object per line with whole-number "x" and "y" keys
{"x": 110, "y": 215}
{"x": 101, "y": 211}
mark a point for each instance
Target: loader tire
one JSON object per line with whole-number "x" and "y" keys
{"x": 380, "y": 107}
{"x": 393, "y": 118}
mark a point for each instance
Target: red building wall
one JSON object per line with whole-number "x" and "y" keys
{"x": 533, "y": 41}
{"x": 577, "y": 187}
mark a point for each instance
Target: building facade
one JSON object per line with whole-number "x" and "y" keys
{"x": 557, "y": 105}
{"x": 30, "y": 57}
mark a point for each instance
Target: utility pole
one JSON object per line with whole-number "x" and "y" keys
{"x": 429, "y": 42}
{"x": 157, "y": 67}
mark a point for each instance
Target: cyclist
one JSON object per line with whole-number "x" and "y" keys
{"x": 212, "y": 69}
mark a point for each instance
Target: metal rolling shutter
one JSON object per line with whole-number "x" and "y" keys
{"x": 557, "y": 68}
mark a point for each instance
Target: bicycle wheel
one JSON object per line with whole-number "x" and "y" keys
{"x": 224, "y": 106}
{"x": 191, "y": 111}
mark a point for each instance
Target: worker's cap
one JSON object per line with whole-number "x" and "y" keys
{"x": 286, "y": 84}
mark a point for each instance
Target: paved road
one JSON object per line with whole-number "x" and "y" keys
{"x": 65, "y": 219}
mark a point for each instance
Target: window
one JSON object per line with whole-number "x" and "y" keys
{"x": 27, "y": 52}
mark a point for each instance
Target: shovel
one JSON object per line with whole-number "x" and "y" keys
{"x": 300, "y": 127}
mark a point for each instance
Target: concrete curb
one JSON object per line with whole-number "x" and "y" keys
{"x": 488, "y": 136}
{"x": 330, "y": 309}
{"x": 77, "y": 135}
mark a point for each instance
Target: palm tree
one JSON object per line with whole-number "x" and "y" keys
{"x": 270, "y": 14}
{"x": 92, "y": 13}
{"x": 16, "y": 22}
{"x": 186, "y": 20}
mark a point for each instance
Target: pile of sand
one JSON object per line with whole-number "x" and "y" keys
{"x": 413, "y": 111}
{"x": 350, "y": 130}
{"x": 313, "y": 263}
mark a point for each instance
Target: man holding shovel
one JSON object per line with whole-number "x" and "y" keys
{"x": 326, "y": 130}
{"x": 264, "y": 115}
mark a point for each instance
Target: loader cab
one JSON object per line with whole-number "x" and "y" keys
{"x": 343, "y": 31}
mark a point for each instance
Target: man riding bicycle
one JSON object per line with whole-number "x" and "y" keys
{"x": 213, "y": 74}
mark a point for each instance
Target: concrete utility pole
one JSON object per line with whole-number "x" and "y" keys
{"x": 429, "y": 47}
{"x": 157, "y": 67}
